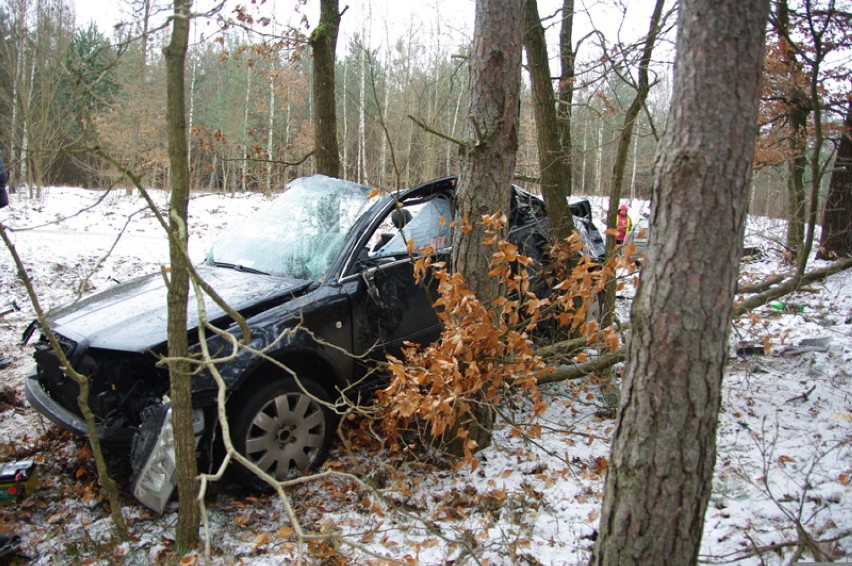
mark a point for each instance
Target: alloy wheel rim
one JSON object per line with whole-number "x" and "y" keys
{"x": 286, "y": 435}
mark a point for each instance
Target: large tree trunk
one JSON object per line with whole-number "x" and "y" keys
{"x": 324, "y": 44}
{"x": 178, "y": 292}
{"x": 554, "y": 160}
{"x": 488, "y": 161}
{"x": 836, "y": 239}
{"x": 664, "y": 451}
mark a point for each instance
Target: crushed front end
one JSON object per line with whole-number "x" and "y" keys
{"x": 122, "y": 385}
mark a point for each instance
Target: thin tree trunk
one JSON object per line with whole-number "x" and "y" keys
{"x": 383, "y": 153}
{"x": 798, "y": 110}
{"x": 17, "y": 171}
{"x": 585, "y": 155}
{"x": 244, "y": 133}
{"x": 836, "y": 239}
{"x": 661, "y": 466}
{"x": 625, "y": 136}
{"x": 565, "y": 92}
{"x": 599, "y": 164}
{"x": 633, "y": 167}
{"x": 362, "y": 120}
{"x": 140, "y": 85}
{"x": 270, "y": 125}
{"x": 553, "y": 158}
{"x": 345, "y": 148}
{"x": 178, "y": 289}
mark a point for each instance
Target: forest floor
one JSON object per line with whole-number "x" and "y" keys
{"x": 783, "y": 468}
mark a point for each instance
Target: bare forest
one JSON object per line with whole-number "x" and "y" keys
{"x": 73, "y": 93}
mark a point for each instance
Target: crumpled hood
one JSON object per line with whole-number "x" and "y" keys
{"x": 133, "y": 316}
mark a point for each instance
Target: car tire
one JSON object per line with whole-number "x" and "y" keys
{"x": 284, "y": 427}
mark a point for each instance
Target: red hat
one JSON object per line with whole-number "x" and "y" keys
{"x": 622, "y": 208}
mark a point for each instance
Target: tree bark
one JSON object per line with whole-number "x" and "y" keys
{"x": 565, "y": 92}
{"x": 836, "y": 239}
{"x": 178, "y": 289}
{"x": 663, "y": 454}
{"x": 323, "y": 43}
{"x": 553, "y": 159}
{"x": 798, "y": 109}
{"x": 488, "y": 160}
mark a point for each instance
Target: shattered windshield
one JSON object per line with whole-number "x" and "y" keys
{"x": 299, "y": 235}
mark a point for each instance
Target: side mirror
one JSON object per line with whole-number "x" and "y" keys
{"x": 369, "y": 277}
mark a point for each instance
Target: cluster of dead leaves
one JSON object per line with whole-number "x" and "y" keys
{"x": 484, "y": 352}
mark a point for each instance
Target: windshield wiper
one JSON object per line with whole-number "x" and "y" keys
{"x": 238, "y": 267}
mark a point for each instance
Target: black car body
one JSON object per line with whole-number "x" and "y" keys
{"x": 325, "y": 282}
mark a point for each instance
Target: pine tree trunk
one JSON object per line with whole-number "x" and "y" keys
{"x": 661, "y": 467}
{"x": 488, "y": 162}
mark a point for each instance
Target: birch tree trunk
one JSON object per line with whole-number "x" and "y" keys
{"x": 661, "y": 466}
{"x": 244, "y": 133}
{"x": 362, "y": 120}
{"x": 270, "y": 125}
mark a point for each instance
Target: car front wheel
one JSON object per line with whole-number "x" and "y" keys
{"x": 284, "y": 428}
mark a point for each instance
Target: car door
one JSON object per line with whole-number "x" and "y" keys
{"x": 391, "y": 307}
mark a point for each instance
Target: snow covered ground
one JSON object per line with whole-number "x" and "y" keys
{"x": 784, "y": 442}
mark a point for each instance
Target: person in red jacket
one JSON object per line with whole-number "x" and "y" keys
{"x": 623, "y": 225}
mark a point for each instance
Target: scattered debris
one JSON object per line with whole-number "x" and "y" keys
{"x": 10, "y": 308}
{"x": 808, "y": 345}
{"x": 751, "y": 253}
{"x": 787, "y": 307}
{"x": 9, "y": 546}
{"x": 748, "y": 350}
{"x": 804, "y": 345}
{"x": 804, "y": 396}
{"x": 17, "y": 481}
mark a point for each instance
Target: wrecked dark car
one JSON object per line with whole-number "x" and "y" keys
{"x": 325, "y": 281}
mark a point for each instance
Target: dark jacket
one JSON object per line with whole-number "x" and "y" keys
{"x": 4, "y": 180}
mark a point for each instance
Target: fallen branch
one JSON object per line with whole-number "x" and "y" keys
{"x": 562, "y": 348}
{"x": 578, "y": 371}
{"x": 790, "y": 286}
{"x": 764, "y": 285}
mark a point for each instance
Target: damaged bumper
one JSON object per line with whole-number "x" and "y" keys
{"x": 47, "y": 406}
